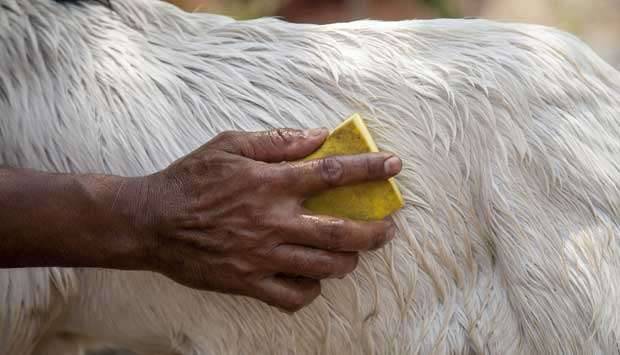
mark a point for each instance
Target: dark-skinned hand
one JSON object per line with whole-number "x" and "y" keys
{"x": 229, "y": 218}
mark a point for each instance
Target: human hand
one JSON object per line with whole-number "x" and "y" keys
{"x": 228, "y": 217}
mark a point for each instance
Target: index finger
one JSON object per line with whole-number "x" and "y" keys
{"x": 312, "y": 176}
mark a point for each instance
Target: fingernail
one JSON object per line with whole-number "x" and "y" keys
{"x": 392, "y": 165}
{"x": 315, "y": 132}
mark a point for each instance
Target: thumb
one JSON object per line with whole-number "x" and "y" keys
{"x": 282, "y": 144}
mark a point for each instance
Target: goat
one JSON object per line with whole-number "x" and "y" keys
{"x": 510, "y": 135}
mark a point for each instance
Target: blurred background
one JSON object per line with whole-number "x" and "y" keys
{"x": 597, "y": 22}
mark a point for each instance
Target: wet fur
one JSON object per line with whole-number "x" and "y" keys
{"x": 510, "y": 136}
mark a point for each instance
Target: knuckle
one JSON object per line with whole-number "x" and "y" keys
{"x": 225, "y": 137}
{"x": 378, "y": 241}
{"x": 371, "y": 167}
{"x": 314, "y": 292}
{"x": 263, "y": 177}
{"x": 336, "y": 235}
{"x": 339, "y": 266}
{"x": 331, "y": 170}
{"x": 266, "y": 250}
{"x": 332, "y": 267}
{"x": 317, "y": 266}
{"x": 256, "y": 174}
{"x": 283, "y": 175}
{"x": 282, "y": 136}
{"x": 345, "y": 264}
{"x": 353, "y": 262}
{"x": 238, "y": 142}
{"x": 303, "y": 262}
{"x": 245, "y": 270}
{"x": 382, "y": 236}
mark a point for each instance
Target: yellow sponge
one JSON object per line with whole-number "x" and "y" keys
{"x": 366, "y": 201}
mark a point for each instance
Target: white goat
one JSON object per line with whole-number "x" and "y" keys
{"x": 510, "y": 136}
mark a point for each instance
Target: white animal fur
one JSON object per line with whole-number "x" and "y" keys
{"x": 510, "y": 135}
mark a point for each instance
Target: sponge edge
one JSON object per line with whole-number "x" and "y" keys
{"x": 366, "y": 201}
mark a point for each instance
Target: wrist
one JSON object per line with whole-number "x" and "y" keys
{"x": 140, "y": 220}
{"x": 121, "y": 220}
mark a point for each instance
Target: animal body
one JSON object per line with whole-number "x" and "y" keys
{"x": 509, "y": 133}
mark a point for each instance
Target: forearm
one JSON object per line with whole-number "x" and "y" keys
{"x": 68, "y": 220}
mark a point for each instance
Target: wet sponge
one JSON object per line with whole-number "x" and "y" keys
{"x": 366, "y": 201}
